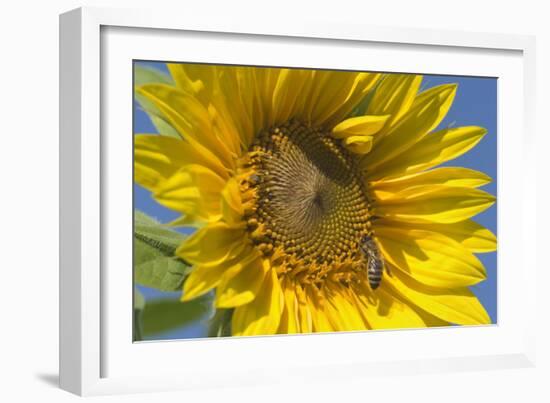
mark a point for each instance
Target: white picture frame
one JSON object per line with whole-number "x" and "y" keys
{"x": 93, "y": 325}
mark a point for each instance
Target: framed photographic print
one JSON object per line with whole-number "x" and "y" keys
{"x": 311, "y": 200}
{"x": 232, "y": 195}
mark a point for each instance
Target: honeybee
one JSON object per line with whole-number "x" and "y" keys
{"x": 374, "y": 260}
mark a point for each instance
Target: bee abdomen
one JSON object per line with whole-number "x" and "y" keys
{"x": 375, "y": 268}
{"x": 374, "y": 260}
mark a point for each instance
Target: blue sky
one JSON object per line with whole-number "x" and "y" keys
{"x": 474, "y": 104}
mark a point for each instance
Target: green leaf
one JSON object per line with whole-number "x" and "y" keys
{"x": 139, "y": 305}
{"x": 140, "y": 218}
{"x": 165, "y": 315}
{"x": 139, "y": 300}
{"x": 162, "y": 273}
{"x": 145, "y": 75}
{"x": 220, "y": 324}
{"x": 155, "y": 263}
{"x": 147, "y": 228}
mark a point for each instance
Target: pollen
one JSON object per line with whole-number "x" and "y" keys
{"x": 311, "y": 204}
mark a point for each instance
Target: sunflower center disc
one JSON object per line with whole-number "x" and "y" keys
{"x": 310, "y": 197}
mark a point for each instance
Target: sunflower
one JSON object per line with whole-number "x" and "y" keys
{"x": 316, "y": 198}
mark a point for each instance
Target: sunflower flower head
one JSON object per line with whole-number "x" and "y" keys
{"x": 317, "y": 198}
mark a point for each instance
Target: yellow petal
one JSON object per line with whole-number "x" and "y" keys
{"x": 459, "y": 306}
{"x": 435, "y": 203}
{"x": 251, "y": 102}
{"x": 429, "y": 319}
{"x": 473, "y": 236}
{"x": 215, "y": 87}
{"x": 340, "y": 310}
{"x": 194, "y": 190}
{"x": 261, "y": 316}
{"x": 191, "y": 220}
{"x": 289, "y": 319}
{"x": 233, "y": 121}
{"x": 196, "y": 79}
{"x": 445, "y": 95}
{"x": 440, "y": 176}
{"x": 319, "y": 81}
{"x": 287, "y": 93}
{"x": 335, "y": 93}
{"x": 305, "y": 320}
{"x": 384, "y": 310}
{"x": 232, "y": 207}
{"x": 156, "y": 158}
{"x": 213, "y": 244}
{"x": 426, "y": 112}
{"x": 204, "y": 278}
{"x": 394, "y": 95}
{"x": 201, "y": 280}
{"x": 189, "y": 117}
{"x": 319, "y": 317}
{"x": 243, "y": 287}
{"x": 183, "y": 111}
{"x": 265, "y": 80}
{"x": 358, "y": 144}
{"x": 360, "y": 125}
{"x": 430, "y": 258}
{"x": 363, "y": 84}
{"x": 434, "y": 149}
